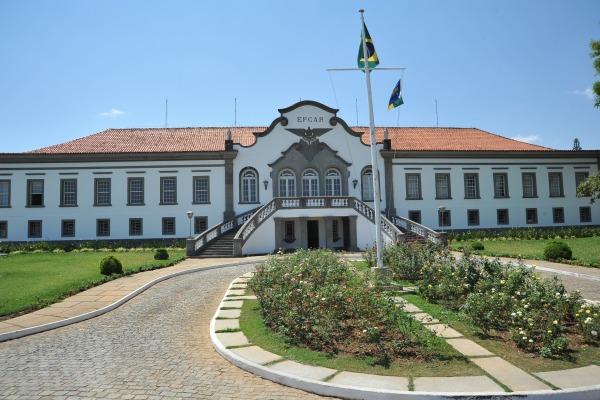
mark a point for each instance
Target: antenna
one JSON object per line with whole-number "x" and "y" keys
{"x": 235, "y": 112}
{"x": 437, "y": 124}
{"x": 166, "y": 112}
{"x": 356, "y": 101}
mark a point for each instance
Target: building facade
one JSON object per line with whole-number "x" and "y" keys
{"x": 303, "y": 181}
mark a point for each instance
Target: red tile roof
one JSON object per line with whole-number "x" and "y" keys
{"x": 182, "y": 140}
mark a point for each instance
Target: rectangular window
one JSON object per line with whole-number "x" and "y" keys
{"x": 413, "y": 186}
{"x": 531, "y": 216}
{"x": 68, "y": 192}
{"x": 471, "y": 186}
{"x": 135, "y": 190}
{"x": 5, "y": 193}
{"x": 168, "y": 190}
{"x": 500, "y": 186}
{"x": 103, "y": 227}
{"x": 34, "y": 229}
{"x": 335, "y": 230}
{"x": 585, "y": 214}
{"x": 290, "y": 231}
{"x": 135, "y": 227}
{"x": 442, "y": 186}
{"x": 502, "y": 216}
{"x": 102, "y": 195}
{"x": 67, "y": 228}
{"x": 580, "y": 177}
{"x": 556, "y": 186}
{"x": 529, "y": 185}
{"x": 558, "y": 215}
{"x": 415, "y": 215}
{"x": 35, "y": 193}
{"x": 200, "y": 224}
{"x": 444, "y": 219}
{"x": 201, "y": 189}
{"x": 473, "y": 217}
{"x": 168, "y": 226}
{"x": 3, "y": 229}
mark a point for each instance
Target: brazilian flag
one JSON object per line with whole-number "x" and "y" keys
{"x": 396, "y": 97}
{"x": 372, "y": 57}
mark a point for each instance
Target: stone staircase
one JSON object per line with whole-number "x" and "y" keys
{"x": 219, "y": 248}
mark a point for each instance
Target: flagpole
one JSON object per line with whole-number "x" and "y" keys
{"x": 374, "y": 164}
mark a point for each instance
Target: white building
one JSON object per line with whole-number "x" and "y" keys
{"x": 303, "y": 181}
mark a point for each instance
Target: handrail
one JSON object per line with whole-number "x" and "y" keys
{"x": 194, "y": 245}
{"x": 420, "y": 230}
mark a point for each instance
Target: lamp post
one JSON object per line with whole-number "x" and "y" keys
{"x": 190, "y": 214}
{"x": 442, "y": 209}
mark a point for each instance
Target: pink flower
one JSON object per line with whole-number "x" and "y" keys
{"x": 293, "y": 279}
{"x": 348, "y": 299}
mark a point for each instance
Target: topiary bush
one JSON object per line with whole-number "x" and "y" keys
{"x": 556, "y": 250}
{"x": 477, "y": 246}
{"x": 161, "y": 254}
{"x": 110, "y": 265}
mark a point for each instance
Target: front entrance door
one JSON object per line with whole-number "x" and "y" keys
{"x": 312, "y": 231}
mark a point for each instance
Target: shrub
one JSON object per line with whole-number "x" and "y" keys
{"x": 556, "y": 250}
{"x": 477, "y": 246}
{"x": 110, "y": 265}
{"x": 408, "y": 258}
{"x": 161, "y": 254}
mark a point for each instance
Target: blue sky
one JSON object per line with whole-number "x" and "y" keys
{"x": 519, "y": 69}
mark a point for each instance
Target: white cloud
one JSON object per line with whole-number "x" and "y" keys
{"x": 587, "y": 92}
{"x": 528, "y": 139}
{"x": 112, "y": 113}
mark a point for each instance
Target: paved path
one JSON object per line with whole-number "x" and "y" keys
{"x": 156, "y": 346}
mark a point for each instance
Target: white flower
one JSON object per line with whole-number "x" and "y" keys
{"x": 594, "y": 333}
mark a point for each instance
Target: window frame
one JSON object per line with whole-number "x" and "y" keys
{"x": 136, "y": 226}
{"x": 533, "y": 185}
{"x": 438, "y": 188}
{"x": 98, "y": 193}
{"x": 171, "y": 192}
{"x": 444, "y": 219}
{"x": 580, "y": 177}
{"x": 3, "y": 229}
{"x": 249, "y": 193}
{"x": 103, "y": 227}
{"x": 168, "y": 226}
{"x": 501, "y": 192}
{"x": 561, "y": 192}
{"x": 201, "y": 194}
{"x": 588, "y": 211}
{"x": 70, "y": 195}
{"x": 470, "y": 213}
{"x": 31, "y": 226}
{"x": 367, "y": 190}
{"x": 502, "y": 216}
{"x": 138, "y": 194}
{"x": 286, "y": 180}
{"x": 416, "y": 213}
{"x": 468, "y": 187}
{"x": 67, "y": 228}
{"x": 310, "y": 183}
{"x": 30, "y": 194}
{"x": 198, "y": 222}
{"x": 531, "y": 221}
{"x": 558, "y": 215}
{"x": 5, "y": 198}
{"x": 333, "y": 183}
{"x": 289, "y": 231}
{"x": 419, "y": 195}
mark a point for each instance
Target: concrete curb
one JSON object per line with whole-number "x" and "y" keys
{"x": 92, "y": 314}
{"x": 355, "y": 392}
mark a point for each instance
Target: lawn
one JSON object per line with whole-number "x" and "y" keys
{"x": 32, "y": 281}
{"x": 586, "y": 251}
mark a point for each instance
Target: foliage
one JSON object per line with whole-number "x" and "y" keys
{"x": 110, "y": 265}
{"x": 590, "y": 188}
{"x": 477, "y": 246}
{"x": 526, "y": 233}
{"x": 86, "y": 246}
{"x": 595, "y": 55}
{"x": 557, "y": 250}
{"x": 319, "y": 301}
{"x": 161, "y": 254}
{"x": 588, "y": 320}
{"x": 406, "y": 259}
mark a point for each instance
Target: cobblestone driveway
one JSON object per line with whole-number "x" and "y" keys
{"x": 157, "y": 346}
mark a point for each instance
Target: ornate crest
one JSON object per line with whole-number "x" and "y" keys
{"x": 309, "y": 135}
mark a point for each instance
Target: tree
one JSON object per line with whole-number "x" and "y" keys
{"x": 590, "y": 188}
{"x": 576, "y": 144}
{"x": 595, "y": 55}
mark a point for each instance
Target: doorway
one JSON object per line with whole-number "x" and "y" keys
{"x": 312, "y": 231}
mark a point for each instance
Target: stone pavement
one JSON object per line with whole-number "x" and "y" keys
{"x": 155, "y": 345}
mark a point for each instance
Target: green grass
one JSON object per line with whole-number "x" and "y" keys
{"x": 448, "y": 363}
{"x": 586, "y": 251}
{"x": 581, "y": 357}
{"x": 32, "y": 281}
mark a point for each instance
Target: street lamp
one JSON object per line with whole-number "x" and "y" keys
{"x": 441, "y": 209}
{"x": 190, "y": 214}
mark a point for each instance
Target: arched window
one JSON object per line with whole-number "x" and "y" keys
{"x": 310, "y": 183}
{"x": 249, "y": 186}
{"x": 367, "y": 184}
{"x": 287, "y": 183}
{"x": 333, "y": 183}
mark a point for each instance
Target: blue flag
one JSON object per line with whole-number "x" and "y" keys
{"x": 396, "y": 98}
